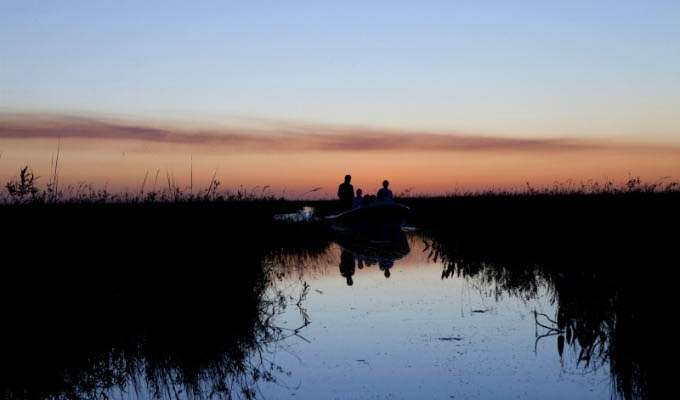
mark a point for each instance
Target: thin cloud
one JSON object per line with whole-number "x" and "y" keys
{"x": 287, "y": 137}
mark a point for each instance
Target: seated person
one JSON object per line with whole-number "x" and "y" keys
{"x": 385, "y": 194}
{"x": 358, "y": 201}
{"x": 368, "y": 199}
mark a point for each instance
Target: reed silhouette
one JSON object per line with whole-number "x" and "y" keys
{"x": 170, "y": 293}
{"x": 606, "y": 259}
{"x": 171, "y": 299}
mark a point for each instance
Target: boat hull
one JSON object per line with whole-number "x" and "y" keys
{"x": 370, "y": 220}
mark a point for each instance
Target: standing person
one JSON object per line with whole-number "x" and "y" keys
{"x": 346, "y": 193}
{"x": 385, "y": 194}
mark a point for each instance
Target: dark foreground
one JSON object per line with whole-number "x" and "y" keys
{"x": 177, "y": 300}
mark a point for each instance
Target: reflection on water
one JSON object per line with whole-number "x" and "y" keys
{"x": 455, "y": 324}
{"x": 406, "y": 316}
{"x": 409, "y": 333}
{"x": 367, "y": 253}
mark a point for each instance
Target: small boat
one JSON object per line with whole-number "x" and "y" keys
{"x": 377, "y": 216}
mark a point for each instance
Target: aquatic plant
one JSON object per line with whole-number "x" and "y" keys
{"x": 24, "y": 185}
{"x": 602, "y": 265}
{"x": 25, "y": 189}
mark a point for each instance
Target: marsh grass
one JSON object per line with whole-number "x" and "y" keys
{"x": 168, "y": 293}
{"x": 173, "y": 336}
{"x": 25, "y": 188}
{"x": 170, "y": 286}
{"x": 607, "y": 259}
{"x": 172, "y": 300}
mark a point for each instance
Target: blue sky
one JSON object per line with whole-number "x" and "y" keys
{"x": 531, "y": 68}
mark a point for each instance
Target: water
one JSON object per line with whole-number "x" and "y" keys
{"x": 418, "y": 334}
{"x": 321, "y": 314}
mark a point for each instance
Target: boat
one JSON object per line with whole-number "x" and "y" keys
{"x": 375, "y": 218}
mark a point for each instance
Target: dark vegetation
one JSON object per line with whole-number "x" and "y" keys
{"x": 173, "y": 299}
{"x": 169, "y": 293}
{"x": 609, "y": 260}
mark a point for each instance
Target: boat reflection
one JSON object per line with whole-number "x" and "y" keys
{"x": 380, "y": 250}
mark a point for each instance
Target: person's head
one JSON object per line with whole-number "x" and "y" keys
{"x": 359, "y": 192}
{"x": 348, "y": 178}
{"x": 386, "y": 184}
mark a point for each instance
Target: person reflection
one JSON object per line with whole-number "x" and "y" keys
{"x": 369, "y": 262}
{"x": 385, "y": 265}
{"x": 347, "y": 266}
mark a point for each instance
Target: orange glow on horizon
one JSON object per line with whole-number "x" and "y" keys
{"x": 122, "y": 165}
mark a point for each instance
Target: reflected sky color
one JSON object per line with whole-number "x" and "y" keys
{"x": 416, "y": 335}
{"x": 605, "y": 72}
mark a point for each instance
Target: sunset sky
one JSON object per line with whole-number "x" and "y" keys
{"x": 433, "y": 95}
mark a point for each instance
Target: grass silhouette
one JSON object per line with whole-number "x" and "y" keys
{"x": 167, "y": 291}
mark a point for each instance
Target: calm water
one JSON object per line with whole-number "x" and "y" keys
{"x": 384, "y": 322}
{"x": 323, "y": 315}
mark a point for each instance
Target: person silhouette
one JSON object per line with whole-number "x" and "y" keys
{"x": 358, "y": 200}
{"x": 347, "y": 266}
{"x": 385, "y": 194}
{"x": 346, "y": 193}
{"x": 385, "y": 265}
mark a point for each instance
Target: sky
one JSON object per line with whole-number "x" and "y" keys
{"x": 599, "y": 74}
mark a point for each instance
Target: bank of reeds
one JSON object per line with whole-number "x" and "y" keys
{"x": 167, "y": 294}
{"x": 168, "y": 283}
{"x": 608, "y": 259}
{"x": 26, "y": 188}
